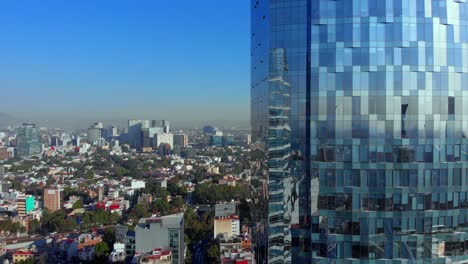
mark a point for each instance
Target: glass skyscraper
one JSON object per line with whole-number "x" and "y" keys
{"x": 362, "y": 106}
{"x": 28, "y": 140}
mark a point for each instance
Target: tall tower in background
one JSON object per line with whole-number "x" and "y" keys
{"x": 362, "y": 107}
{"x": 28, "y": 140}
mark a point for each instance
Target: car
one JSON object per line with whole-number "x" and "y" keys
{"x": 14, "y": 241}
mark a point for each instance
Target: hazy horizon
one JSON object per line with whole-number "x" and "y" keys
{"x": 82, "y": 122}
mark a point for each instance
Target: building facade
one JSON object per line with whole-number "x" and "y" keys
{"x": 227, "y": 227}
{"x": 181, "y": 140}
{"x": 95, "y": 134}
{"x": 25, "y": 205}
{"x": 165, "y": 232}
{"x": 52, "y": 199}
{"x": 362, "y": 108}
{"x": 28, "y": 140}
{"x": 144, "y": 133}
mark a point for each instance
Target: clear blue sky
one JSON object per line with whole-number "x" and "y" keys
{"x": 177, "y": 59}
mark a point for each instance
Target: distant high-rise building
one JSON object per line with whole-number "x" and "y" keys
{"x": 209, "y": 129}
{"x": 95, "y": 134}
{"x": 55, "y": 141}
{"x": 164, "y": 138}
{"x": 361, "y": 106}
{"x": 181, "y": 140}
{"x": 110, "y": 132}
{"x": 142, "y": 133}
{"x": 216, "y": 141}
{"x": 247, "y": 139}
{"x": 165, "y": 232}
{"x": 28, "y": 140}
{"x": 65, "y": 139}
{"x": 113, "y": 131}
{"x": 228, "y": 140}
{"x": 76, "y": 141}
{"x": 52, "y": 199}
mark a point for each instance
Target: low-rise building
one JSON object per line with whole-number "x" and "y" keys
{"x": 36, "y": 256}
{"x": 227, "y": 226}
{"x": 86, "y": 240}
{"x": 86, "y": 253}
{"x": 118, "y": 254}
{"x": 165, "y": 232}
{"x": 157, "y": 256}
{"x": 138, "y": 184}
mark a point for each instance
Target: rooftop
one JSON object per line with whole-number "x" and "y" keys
{"x": 175, "y": 220}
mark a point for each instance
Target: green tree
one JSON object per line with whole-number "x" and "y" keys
{"x": 72, "y": 154}
{"x": 89, "y": 174}
{"x": 26, "y": 261}
{"x": 212, "y": 253}
{"x": 16, "y": 184}
{"x": 78, "y": 204}
{"x": 109, "y": 236}
{"x": 34, "y": 226}
{"x": 101, "y": 251}
{"x": 160, "y": 206}
{"x": 177, "y": 203}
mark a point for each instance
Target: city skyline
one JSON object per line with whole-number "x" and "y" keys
{"x": 121, "y": 60}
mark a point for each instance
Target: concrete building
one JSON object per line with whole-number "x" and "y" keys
{"x": 95, "y": 134}
{"x": 165, "y": 232}
{"x": 52, "y": 199}
{"x": 55, "y": 141}
{"x": 118, "y": 254}
{"x": 25, "y": 205}
{"x": 164, "y": 138}
{"x": 87, "y": 240}
{"x": 142, "y": 133}
{"x": 181, "y": 140}
{"x": 28, "y": 141}
{"x": 227, "y": 227}
{"x": 65, "y": 139}
{"x": 157, "y": 256}
{"x": 30, "y": 256}
{"x": 110, "y": 132}
{"x": 137, "y": 184}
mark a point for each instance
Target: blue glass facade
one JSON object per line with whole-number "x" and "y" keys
{"x": 28, "y": 140}
{"x": 363, "y": 107}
